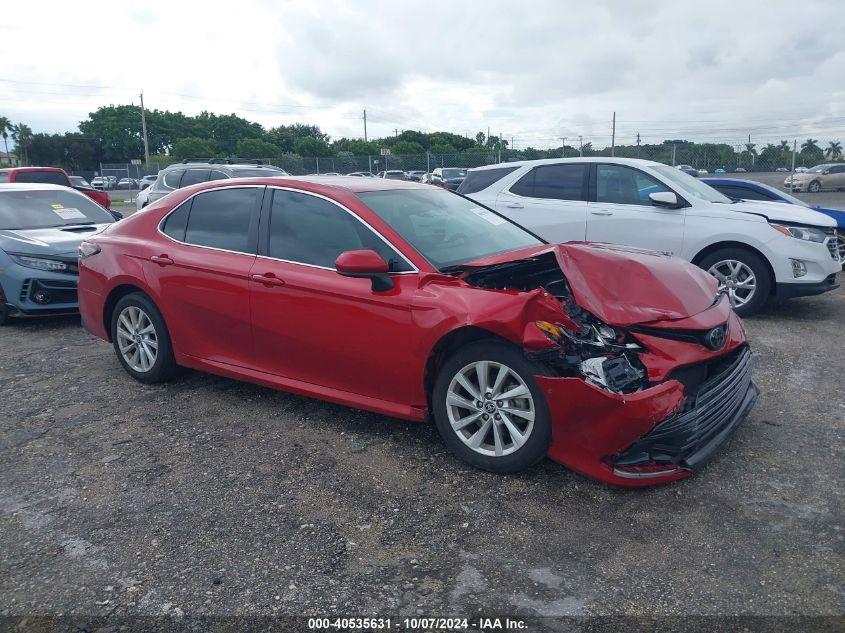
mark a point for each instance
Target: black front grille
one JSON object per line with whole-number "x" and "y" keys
{"x": 717, "y": 407}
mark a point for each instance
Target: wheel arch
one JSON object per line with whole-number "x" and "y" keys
{"x": 115, "y": 295}
{"x": 717, "y": 246}
{"x": 448, "y": 344}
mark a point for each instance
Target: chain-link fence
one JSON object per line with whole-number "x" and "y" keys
{"x": 704, "y": 157}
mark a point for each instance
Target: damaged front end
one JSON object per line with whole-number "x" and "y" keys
{"x": 631, "y": 404}
{"x": 583, "y": 346}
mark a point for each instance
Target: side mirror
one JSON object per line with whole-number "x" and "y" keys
{"x": 825, "y": 172}
{"x": 665, "y": 199}
{"x": 365, "y": 263}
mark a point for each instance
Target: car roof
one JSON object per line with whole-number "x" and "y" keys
{"x": 220, "y": 166}
{"x": 327, "y": 184}
{"x": 633, "y": 162}
{"x": 32, "y": 169}
{"x": 31, "y": 186}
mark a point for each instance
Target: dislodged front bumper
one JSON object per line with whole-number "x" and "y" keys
{"x": 656, "y": 435}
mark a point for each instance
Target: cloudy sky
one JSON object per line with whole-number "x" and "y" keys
{"x": 534, "y": 71}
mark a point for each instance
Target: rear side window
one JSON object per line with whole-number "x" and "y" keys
{"x": 477, "y": 180}
{"x": 744, "y": 193}
{"x": 217, "y": 175}
{"x": 193, "y": 176}
{"x": 176, "y": 223}
{"x": 4, "y": 176}
{"x": 558, "y": 182}
{"x": 222, "y": 219}
{"x": 309, "y": 230}
{"x": 172, "y": 179}
{"x": 48, "y": 177}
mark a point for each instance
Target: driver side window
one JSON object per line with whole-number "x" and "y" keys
{"x": 306, "y": 229}
{"x": 618, "y": 184}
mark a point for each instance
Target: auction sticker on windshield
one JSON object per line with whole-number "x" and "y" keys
{"x": 492, "y": 218}
{"x": 69, "y": 214}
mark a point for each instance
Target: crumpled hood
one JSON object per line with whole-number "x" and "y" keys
{"x": 622, "y": 285}
{"x": 784, "y": 212}
{"x": 49, "y": 241}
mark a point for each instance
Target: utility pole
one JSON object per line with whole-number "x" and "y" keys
{"x": 365, "y": 125}
{"x": 673, "y": 154}
{"x": 794, "y": 150}
{"x": 581, "y": 146}
{"x": 395, "y": 131}
{"x": 638, "y": 144}
{"x": 613, "y": 137}
{"x": 563, "y": 147}
{"x": 144, "y": 132}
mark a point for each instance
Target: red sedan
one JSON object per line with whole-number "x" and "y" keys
{"x": 415, "y": 302}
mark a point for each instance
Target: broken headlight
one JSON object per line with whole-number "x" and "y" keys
{"x": 600, "y": 354}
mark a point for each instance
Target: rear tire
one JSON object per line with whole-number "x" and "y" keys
{"x": 746, "y": 268}
{"x": 141, "y": 340}
{"x": 502, "y": 435}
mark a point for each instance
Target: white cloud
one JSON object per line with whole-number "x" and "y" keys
{"x": 534, "y": 70}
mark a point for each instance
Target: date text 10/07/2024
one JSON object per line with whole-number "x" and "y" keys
{"x": 420, "y": 623}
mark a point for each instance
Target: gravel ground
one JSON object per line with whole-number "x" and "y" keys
{"x": 209, "y": 496}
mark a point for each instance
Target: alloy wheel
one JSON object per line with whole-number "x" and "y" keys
{"x": 137, "y": 339}
{"x": 736, "y": 279}
{"x": 490, "y": 408}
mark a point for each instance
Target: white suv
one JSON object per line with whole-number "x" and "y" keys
{"x": 756, "y": 250}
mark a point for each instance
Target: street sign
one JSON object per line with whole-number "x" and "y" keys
{"x": 385, "y": 151}
{"x": 135, "y": 161}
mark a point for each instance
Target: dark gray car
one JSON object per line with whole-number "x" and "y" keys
{"x": 191, "y": 172}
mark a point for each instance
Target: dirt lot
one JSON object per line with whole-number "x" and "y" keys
{"x": 209, "y": 496}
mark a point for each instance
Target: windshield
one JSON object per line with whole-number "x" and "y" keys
{"x": 454, "y": 173}
{"x": 445, "y": 228}
{"x": 783, "y": 195}
{"x": 48, "y": 208}
{"x": 689, "y": 185}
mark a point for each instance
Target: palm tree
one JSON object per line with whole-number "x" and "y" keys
{"x": 22, "y": 135}
{"x": 810, "y": 145}
{"x": 5, "y": 128}
{"x": 834, "y": 150}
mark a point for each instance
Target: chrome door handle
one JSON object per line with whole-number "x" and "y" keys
{"x": 602, "y": 212}
{"x": 268, "y": 279}
{"x": 514, "y": 205}
{"x": 162, "y": 260}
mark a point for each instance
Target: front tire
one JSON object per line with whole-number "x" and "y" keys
{"x": 4, "y": 315}
{"x": 489, "y": 409}
{"x": 814, "y": 187}
{"x": 141, "y": 340}
{"x": 743, "y": 275}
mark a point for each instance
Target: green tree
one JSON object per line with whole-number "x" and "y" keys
{"x": 479, "y": 138}
{"x": 405, "y": 148}
{"x": 194, "y": 147}
{"x": 312, "y": 147}
{"x": 834, "y": 150}
{"x": 257, "y": 148}
{"x": 811, "y": 153}
{"x": 443, "y": 148}
{"x": 286, "y": 136}
{"x": 5, "y": 128}
{"x": 22, "y": 135}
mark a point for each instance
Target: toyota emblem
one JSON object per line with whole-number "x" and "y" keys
{"x": 715, "y": 338}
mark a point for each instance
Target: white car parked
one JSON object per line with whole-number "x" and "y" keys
{"x": 756, "y": 250}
